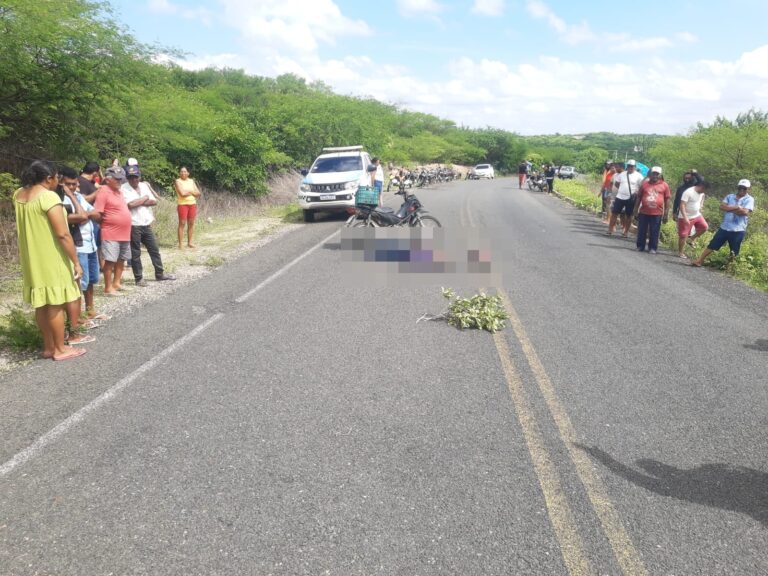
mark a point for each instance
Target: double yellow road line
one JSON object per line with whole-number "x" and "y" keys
{"x": 558, "y": 508}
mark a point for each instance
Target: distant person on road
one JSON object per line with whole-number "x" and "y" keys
{"x": 651, "y": 209}
{"x": 549, "y": 175}
{"x": 187, "y": 194}
{"x": 522, "y": 173}
{"x": 112, "y": 214}
{"x": 690, "y": 217}
{"x": 140, "y": 198}
{"x": 50, "y": 268}
{"x": 690, "y": 178}
{"x": 737, "y": 208}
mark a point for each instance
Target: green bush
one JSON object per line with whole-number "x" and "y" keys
{"x": 20, "y": 331}
{"x": 579, "y": 193}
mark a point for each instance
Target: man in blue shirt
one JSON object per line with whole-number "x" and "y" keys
{"x": 737, "y": 208}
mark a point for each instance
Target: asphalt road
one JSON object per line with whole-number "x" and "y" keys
{"x": 289, "y": 415}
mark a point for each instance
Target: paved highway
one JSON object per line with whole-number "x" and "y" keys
{"x": 289, "y": 415}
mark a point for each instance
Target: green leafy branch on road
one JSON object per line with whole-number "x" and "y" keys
{"x": 480, "y": 311}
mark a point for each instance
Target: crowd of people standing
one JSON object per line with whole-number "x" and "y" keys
{"x": 72, "y": 228}
{"x": 627, "y": 196}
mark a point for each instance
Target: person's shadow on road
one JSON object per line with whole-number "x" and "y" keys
{"x": 759, "y": 345}
{"x": 734, "y": 488}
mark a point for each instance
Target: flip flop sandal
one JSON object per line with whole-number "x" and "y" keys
{"x": 101, "y": 316}
{"x": 86, "y": 339}
{"x": 69, "y": 355}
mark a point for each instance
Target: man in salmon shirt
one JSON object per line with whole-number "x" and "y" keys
{"x": 114, "y": 217}
{"x": 651, "y": 209}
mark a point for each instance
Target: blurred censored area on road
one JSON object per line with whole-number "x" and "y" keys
{"x": 417, "y": 257}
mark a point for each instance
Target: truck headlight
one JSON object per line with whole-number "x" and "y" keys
{"x": 351, "y": 185}
{"x": 305, "y": 188}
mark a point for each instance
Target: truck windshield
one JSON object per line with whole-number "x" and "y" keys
{"x": 338, "y": 164}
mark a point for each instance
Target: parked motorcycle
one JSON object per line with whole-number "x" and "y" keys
{"x": 411, "y": 213}
{"x": 537, "y": 181}
{"x": 396, "y": 181}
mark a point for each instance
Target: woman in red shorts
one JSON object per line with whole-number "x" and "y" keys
{"x": 187, "y": 194}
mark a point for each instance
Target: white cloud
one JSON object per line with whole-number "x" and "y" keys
{"x": 298, "y": 26}
{"x": 754, "y": 63}
{"x": 570, "y": 34}
{"x": 419, "y": 7}
{"x": 488, "y": 7}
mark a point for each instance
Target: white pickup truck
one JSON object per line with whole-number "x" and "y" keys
{"x": 331, "y": 183}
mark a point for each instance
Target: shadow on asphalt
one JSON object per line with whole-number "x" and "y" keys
{"x": 622, "y": 246}
{"x": 734, "y": 488}
{"x": 760, "y": 346}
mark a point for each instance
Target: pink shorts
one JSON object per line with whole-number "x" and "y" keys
{"x": 684, "y": 230}
{"x": 186, "y": 211}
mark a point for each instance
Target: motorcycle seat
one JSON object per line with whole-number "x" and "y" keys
{"x": 384, "y": 210}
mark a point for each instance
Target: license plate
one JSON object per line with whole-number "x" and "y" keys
{"x": 327, "y": 196}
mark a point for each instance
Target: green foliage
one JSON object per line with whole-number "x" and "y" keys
{"x": 724, "y": 152}
{"x": 579, "y": 193}
{"x": 481, "y": 311}
{"x": 8, "y": 185}
{"x": 20, "y": 332}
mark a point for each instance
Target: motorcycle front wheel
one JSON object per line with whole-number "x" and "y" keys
{"x": 426, "y": 221}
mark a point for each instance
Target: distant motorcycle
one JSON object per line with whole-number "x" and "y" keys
{"x": 394, "y": 180}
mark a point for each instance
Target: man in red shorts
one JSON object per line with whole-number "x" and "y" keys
{"x": 689, "y": 217}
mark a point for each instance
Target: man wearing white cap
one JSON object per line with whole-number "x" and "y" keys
{"x": 651, "y": 209}
{"x": 737, "y": 208}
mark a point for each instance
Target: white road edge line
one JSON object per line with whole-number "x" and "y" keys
{"x": 282, "y": 270}
{"x": 39, "y": 445}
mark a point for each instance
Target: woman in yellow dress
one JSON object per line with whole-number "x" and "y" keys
{"x": 49, "y": 264}
{"x": 187, "y": 194}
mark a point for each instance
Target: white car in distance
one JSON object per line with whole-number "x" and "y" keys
{"x": 484, "y": 171}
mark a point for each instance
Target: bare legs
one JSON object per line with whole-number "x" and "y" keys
{"x": 190, "y": 233}
{"x": 113, "y": 274}
{"x": 88, "y": 295}
{"x": 50, "y": 320}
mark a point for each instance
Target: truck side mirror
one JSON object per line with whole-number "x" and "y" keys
{"x": 304, "y": 171}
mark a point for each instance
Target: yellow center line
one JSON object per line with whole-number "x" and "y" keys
{"x": 559, "y": 511}
{"x": 625, "y": 552}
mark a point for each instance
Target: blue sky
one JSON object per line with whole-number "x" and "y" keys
{"x": 529, "y": 66}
